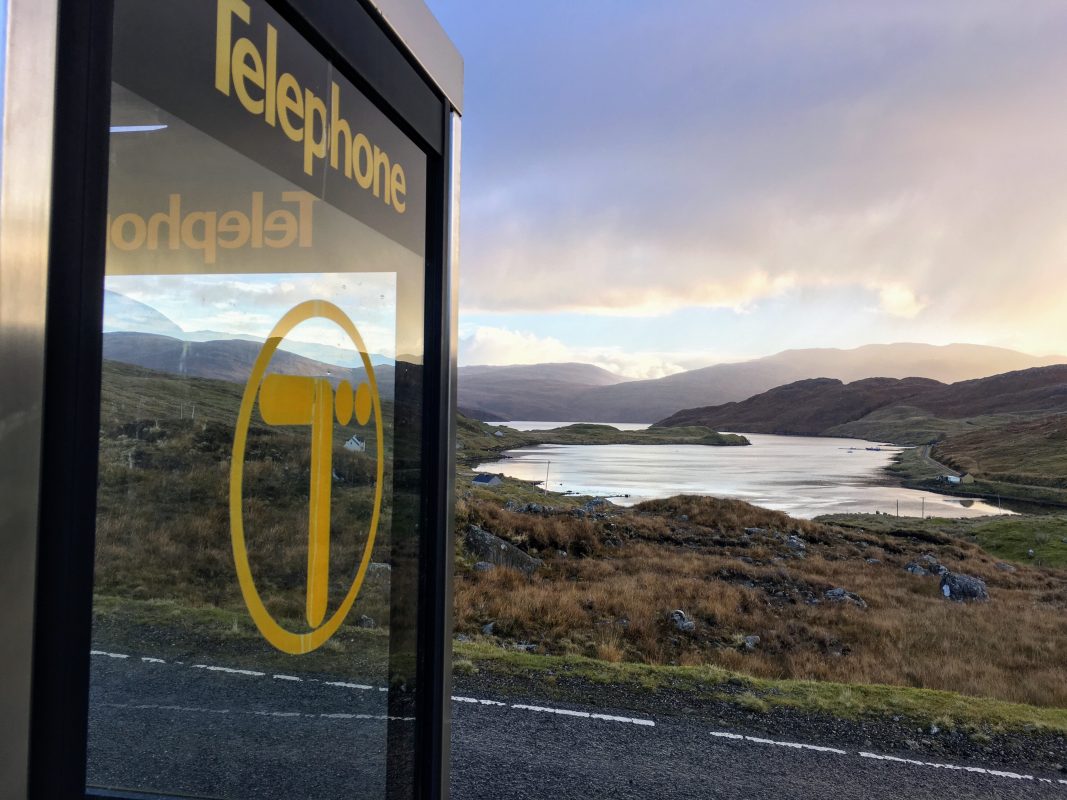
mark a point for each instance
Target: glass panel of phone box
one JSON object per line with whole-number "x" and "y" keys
{"x": 257, "y": 522}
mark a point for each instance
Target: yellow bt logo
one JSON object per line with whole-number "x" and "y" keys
{"x": 298, "y": 400}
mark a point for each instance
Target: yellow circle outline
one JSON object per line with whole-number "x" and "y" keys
{"x": 287, "y": 641}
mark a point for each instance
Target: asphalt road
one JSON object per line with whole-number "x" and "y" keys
{"x": 924, "y": 454}
{"x": 184, "y": 728}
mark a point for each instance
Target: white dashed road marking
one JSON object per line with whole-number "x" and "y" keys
{"x": 477, "y": 701}
{"x": 996, "y": 773}
{"x": 566, "y": 712}
{"x": 958, "y": 768}
{"x": 585, "y": 714}
{"x": 231, "y": 670}
{"x": 275, "y": 714}
{"x": 794, "y": 745}
{"x": 359, "y": 687}
{"x": 342, "y": 685}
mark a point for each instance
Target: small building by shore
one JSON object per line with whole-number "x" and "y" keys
{"x": 958, "y": 479}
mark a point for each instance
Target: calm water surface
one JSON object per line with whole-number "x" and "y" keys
{"x": 803, "y": 476}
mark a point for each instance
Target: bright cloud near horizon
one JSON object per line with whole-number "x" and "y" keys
{"x": 651, "y": 187}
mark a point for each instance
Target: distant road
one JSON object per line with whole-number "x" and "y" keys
{"x": 924, "y": 454}
{"x": 186, "y": 728}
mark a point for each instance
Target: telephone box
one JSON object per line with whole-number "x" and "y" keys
{"x": 227, "y": 336}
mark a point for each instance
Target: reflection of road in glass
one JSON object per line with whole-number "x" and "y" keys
{"x": 803, "y": 476}
{"x": 234, "y": 733}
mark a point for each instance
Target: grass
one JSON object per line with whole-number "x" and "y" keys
{"x": 178, "y": 632}
{"x": 512, "y": 490}
{"x": 1013, "y": 457}
{"x": 609, "y": 582}
{"x": 1028, "y": 452}
{"x": 612, "y": 594}
{"x": 709, "y": 683}
{"x": 163, "y": 525}
{"x": 1009, "y": 538}
{"x": 909, "y": 465}
{"x": 228, "y": 637}
{"x": 917, "y": 473}
{"x": 478, "y": 441}
{"x": 589, "y": 433}
{"x": 908, "y": 425}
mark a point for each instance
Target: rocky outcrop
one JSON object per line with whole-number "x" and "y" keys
{"x": 840, "y": 595}
{"x": 963, "y": 588}
{"x": 682, "y": 621}
{"x": 490, "y": 549}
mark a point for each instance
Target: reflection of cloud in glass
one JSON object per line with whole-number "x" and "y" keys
{"x": 207, "y": 307}
{"x": 122, "y": 313}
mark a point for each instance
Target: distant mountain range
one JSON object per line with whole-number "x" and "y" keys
{"x": 227, "y": 359}
{"x": 903, "y": 410}
{"x": 582, "y": 392}
{"x": 123, "y": 314}
{"x": 529, "y": 391}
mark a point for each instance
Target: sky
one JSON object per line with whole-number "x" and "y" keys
{"x": 654, "y": 187}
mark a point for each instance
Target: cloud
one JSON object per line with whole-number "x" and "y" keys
{"x": 498, "y": 346}
{"x": 723, "y": 154}
{"x": 253, "y": 304}
{"x": 900, "y": 301}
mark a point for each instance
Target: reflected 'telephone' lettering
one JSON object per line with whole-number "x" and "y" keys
{"x": 208, "y": 231}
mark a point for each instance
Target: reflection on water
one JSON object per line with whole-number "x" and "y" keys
{"x": 803, "y": 476}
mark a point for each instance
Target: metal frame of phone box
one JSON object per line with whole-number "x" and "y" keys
{"x": 357, "y": 38}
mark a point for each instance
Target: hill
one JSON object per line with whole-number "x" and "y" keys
{"x": 226, "y": 360}
{"x": 1031, "y": 452}
{"x": 827, "y": 406}
{"x": 476, "y": 441}
{"x": 528, "y": 391}
{"x": 545, "y": 393}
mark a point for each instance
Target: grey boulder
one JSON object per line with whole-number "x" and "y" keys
{"x": 682, "y": 621}
{"x": 493, "y": 550}
{"x": 963, "y": 588}
{"x": 839, "y": 595}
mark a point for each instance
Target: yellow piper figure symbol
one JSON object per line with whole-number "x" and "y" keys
{"x": 298, "y": 400}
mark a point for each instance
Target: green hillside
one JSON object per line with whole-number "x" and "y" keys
{"x": 478, "y": 441}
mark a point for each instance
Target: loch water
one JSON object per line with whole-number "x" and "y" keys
{"x": 802, "y": 475}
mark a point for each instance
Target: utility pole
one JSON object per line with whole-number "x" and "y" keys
{"x": 547, "y": 465}
{"x": 924, "y": 508}
{"x": 898, "y": 508}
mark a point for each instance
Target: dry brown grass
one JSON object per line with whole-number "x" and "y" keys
{"x": 163, "y": 522}
{"x": 640, "y": 564}
{"x": 163, "y": 534}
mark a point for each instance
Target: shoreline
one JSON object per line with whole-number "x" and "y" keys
{"x": 908, "y": 470}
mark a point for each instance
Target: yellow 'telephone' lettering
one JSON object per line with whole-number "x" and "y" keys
{"x": 304, "y": 117}
{"x": 227, "y": 10}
